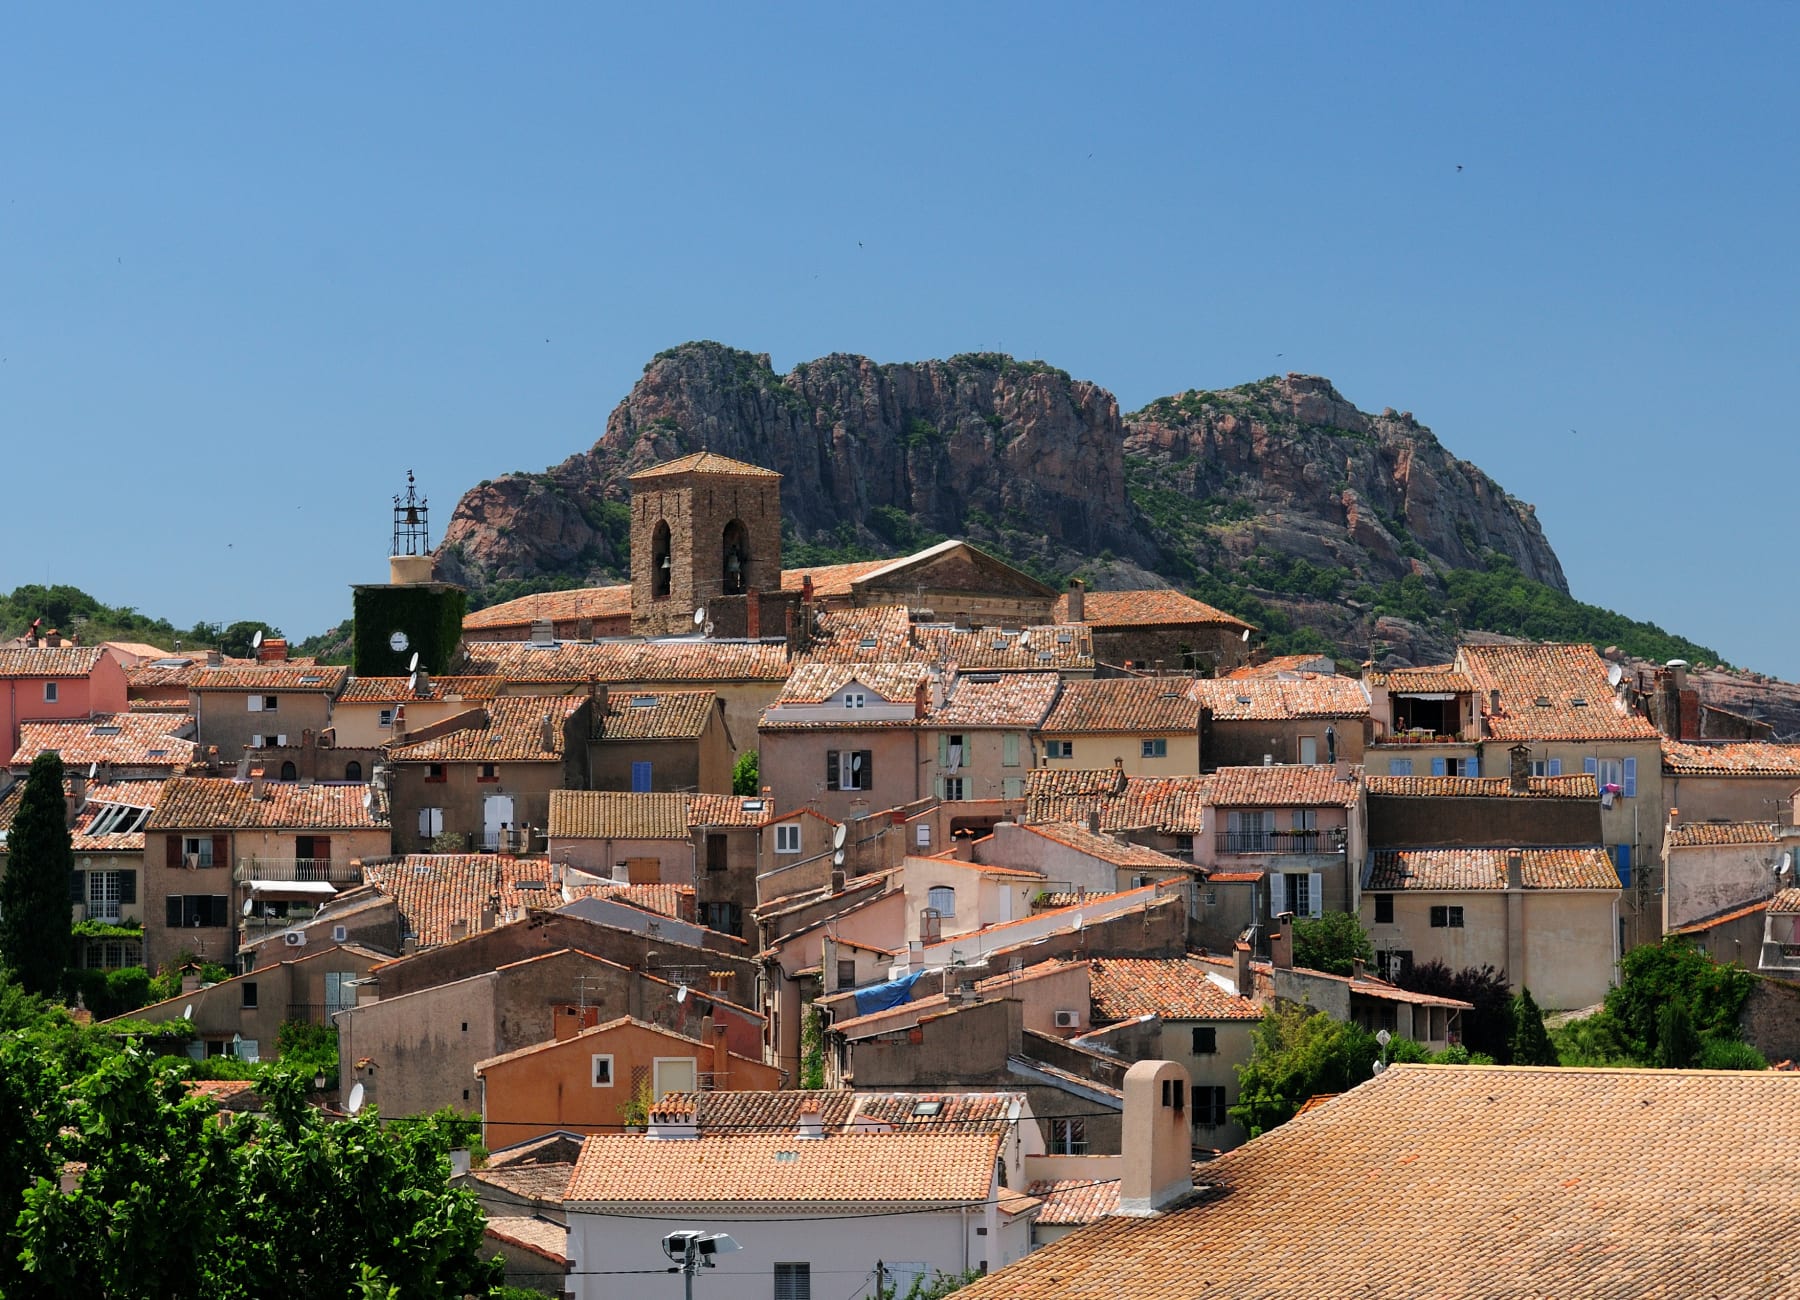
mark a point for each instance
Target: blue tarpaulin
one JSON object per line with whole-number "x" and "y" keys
{"x": 879, "y": 997}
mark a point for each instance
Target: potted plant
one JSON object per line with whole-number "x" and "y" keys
{"x": 635, "y": 1113}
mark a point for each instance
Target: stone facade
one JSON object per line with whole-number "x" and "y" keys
{"x": 701, "y": 522}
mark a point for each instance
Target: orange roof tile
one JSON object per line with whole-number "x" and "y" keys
{"x": 1440, "y": 680}
{"x": 548, "y": 1240}
{"x": 1278, "y": 665}
{"x": 657, "y": 715}
{"x": 399, "y": 690}
{"x": 1150, "y": 607}
{"x": 1016, "y": 700}
{"x": 1732, "y": 758}
{"x": 631, "y": 662}
{"x": 200, "y": 803}
{"x": 814, "y": 683}
{"x": 1104, "y": 847}
{"x": 49, "y": 661}
{"x": 1279, "y": 698}
{"x": 327, "y": 679}
{"x": 112, "y": 806}
{"x": 1063, "y": 648}
{"x": 1173, "y": 805}
{"x": 1788, "y": 900}
{"x": 665, "y": 900}
{"x": 704, "y": 462}
{"x": 1125, "y": 704}
{"x": 1070, "y": 1201}
{"x": 728, "y": 810}
{"x": 1574, "y": 1183}
{"x": 1175, "y": 989}
{"x": 1283, "y": 785}
{"x": 1581, "y": 786}
{"x": 557, "y": 606}
{"x": 921, "y": 1167}
{"x": 1467, "y": 869}
{"x": 434, "y": 890}
{"x": 615, "y": 815}
{"x": 153, "y": 740}
{"x": 830, "y": 580}
{"x": 1691, "y": 835}
{"x": 509, "y": 729}
{"x": 876, "y": 634}
{"x": 1577, "y": 701}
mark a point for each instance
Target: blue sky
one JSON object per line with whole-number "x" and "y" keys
{"x": 255, "y": 263}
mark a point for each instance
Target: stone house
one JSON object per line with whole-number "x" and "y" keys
{"x": 1307, "y": 718}
{"x": 660, "y": 740}
{"x": 1143, "y": 726}
{"x": 262, "y": 706}
{"x": 846, "y": 738}
{"x": 1152, "y": 629}
{"x": 1746, "y": 781}
{"x": 372, "y": 712}
{"x": 983, "y": 733}
{"x": 1714, "y": 868}
{"x": 114, "y": 746}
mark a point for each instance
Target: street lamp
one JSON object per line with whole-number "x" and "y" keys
{"x": 693, "y": 1251}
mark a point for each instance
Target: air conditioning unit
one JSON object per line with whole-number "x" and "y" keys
{"x": 1068, "y": 1020}
{"x": 294, "y": 938}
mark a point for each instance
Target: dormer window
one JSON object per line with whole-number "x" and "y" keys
{"x": 854, "y": 699}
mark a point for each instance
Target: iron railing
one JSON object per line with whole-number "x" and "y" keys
{"x": 336, "y": 873}
{"x": 1328, "y": 840}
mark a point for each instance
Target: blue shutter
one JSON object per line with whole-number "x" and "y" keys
{"x": 1438, "y": 767}
{"x": 1631, "y": 778}
{"x": 1399, "y": 767}
{"x": 1591, "y": 766}
{"x": 1555, "y": 768}
{"x": 1622, "y": 860}
{"x": 640, "y": 778}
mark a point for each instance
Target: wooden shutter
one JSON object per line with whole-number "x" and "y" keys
{"x": 831, "y": 769}
{"x": 221, "y": 851}
{"x": 173, "y": 855}
{"x": 1555, "y": 768}
{"x": 1438, "y": 767}
{"x": 1631, "y": 778}
{"x": 1315, "y": 895}
{"x": 128, "y": 886}
{"x": 868, "y": 770}
{"x": 78, "y": 887}
{"x": 172, "y": 911}
{"x": 1009, "y": 750}
{"x": 943, "y": 750}
{"x": 1277, "y": 892}
{"x": 1591, "y": 766}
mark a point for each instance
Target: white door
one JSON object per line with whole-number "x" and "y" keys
{"x": 496, "y": 811}
{"x": 1309, "y": 749}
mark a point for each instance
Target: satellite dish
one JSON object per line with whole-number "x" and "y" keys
{"x": 187, "y": 1012}
{"x": 839, "y": 834}
{"x": 256, "y": 640}
{"x": 1383, "y": 1037}
{"x": 1614, "y": 675}
{"x": 413, "y": 667}
{"x": 700, "y": 616}
{"x": 1246, "y": 637}
{"x": 1025, "y": 639}
{"x": 837, "y": 857}
{"x": 681, "y": 993}
{"x": 356, "y": 1099}
{"x": 1080, "y": 920}
{"x": 1786, "y": 864}
{"x": 412, "y": 683}
{"x": 369, "y": 800}
{"x": 93, "y": 769}
{"x": 248, "y": 904}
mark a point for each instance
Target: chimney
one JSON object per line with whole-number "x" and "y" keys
{"x": 806, "y": 588}
{"x": 673, "y": 1121}
{"x": 1093, "y": 821}
{"x": 459, "y": 929}
{"x": 1493, "y": 704}
{"x": 1156, "y": 1161}
{"x": 1519, "y": 768}
{"x": 214, "y": 659}
{"x": 76, "y": 799}
{"x": 568, "y": 1019}
{"x": 837, "y": 882}
{"x": 812, "y": 1121}
{"x": 753, "y": 616}
{"x": 1515, "y": 869}
{"x": 543, "y": 632}
{"x": 721, "y": 1058}
{"x": 422, "y": 685}
{"x": 1281, "y": 942}
{"x": 488, "y": 916}
{"x": 273, "y": 650}
{"x": 259, "y": 788}
{"x": 1246, "y": 980}
{"x": 547, "y": 734}
{"x": 602, "y": 702}
{"x": 1358, "y": 970}
{"x": 584, "y": 629}
{"x": 190, "y": 978}
{"x": 1077, "y": 601}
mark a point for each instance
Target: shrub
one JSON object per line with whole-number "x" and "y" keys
{"x": 1716, "y": 1054}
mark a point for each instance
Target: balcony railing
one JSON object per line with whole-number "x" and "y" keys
{"x": 1328, "y": 840}
{"x": 342, "y": 873}
{"x": 1420, "y": 737}
{"x": 297, "y": 913}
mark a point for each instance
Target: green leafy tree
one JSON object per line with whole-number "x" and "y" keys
{"x": 1653, "y": 976}
{"x": 235, "y": 639}
{"x": 1487, "y": 1030}
{"x": 1530, "y": 1044}
{"x": 933, "y": 1287}
{"x": 1297, "y": 1053}
{"x": 1332, "y": 943}
{"x": 34, "y": 893}
{"x": 1677, "y": 1045}
{"x": 745, "y": 774}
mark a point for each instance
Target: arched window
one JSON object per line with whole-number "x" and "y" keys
{"x": 353, "y": 771}
{"x": 289, "y": 772}
{"x": 662, "y": 571}
{"x": 736, "y": 557}
{"x": 941, "y": 899}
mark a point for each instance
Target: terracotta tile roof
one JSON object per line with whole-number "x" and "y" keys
{"x": 704, "y": 462}
{"x": 665, "y": 900}
{"x": 1016, "y": 700}
{"x": 1468, "y": 869}
{"x": 1279, "y": 665}
{"x": 198, "y": 803}
{"x": 1280, "y": 698}
{"x": 921, "y": 1167}
{"x": 1069, "y": 1201}
{"x": 1573, "y": 1183}
{"x": 557, "y": 606}
{"x": 1125, "y": 704}
{"x": 1151, "y": 607}
{"x": 541, "y": 1237}
{"x": 1065, "y": 782}
{"x": 1581, "y": 786}
{"x": 1173, "y": 805}
{"x": 876, "y": 634}
{"x": 1733, "y": 758}
{"x": 728, "y": 810}
{"x": 1689, "y": 835}
{"x": 632, "y": 662}
{"x": 557, "y": 1148}
{"x": 433, "y": 890}
{"x": 509, "y": 729}
{"x": 614, "y": 815}
{"x": 154, "y": 740}
{"x": 399, "y": 690}
{"x": 49, "y": 661}
{"x": 657, "y": 715}
{"x": 545, "y": 1183}
{"x": 1440, "y": 680}
{"x": 1175, "y": 989}
{"x": 1559, "y": 675}
{"x": 1721, "y": 918}
{"x": 1104, "y": 847}
{"x": 1063, "y": 648}
{"x": 1235, "y": 877}
{"x": 173, "y": 671}
{"x": 1283, "y": 785}
{"x": 814, "y": 683}
{"x": 1788, "y": 900}
{"x": 327, "y": 679}
{"x": 831, "y": 580}
{"x": 104, "y": 798}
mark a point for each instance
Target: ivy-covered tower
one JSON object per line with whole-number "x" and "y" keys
{"x": 411, "y": 613}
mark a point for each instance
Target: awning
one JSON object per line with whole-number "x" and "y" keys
{"x": 320, "y": 889}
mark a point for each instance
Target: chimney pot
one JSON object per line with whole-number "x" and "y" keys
{"x": 1156, "y": 1164}
{"x": 1246, "y": 980}
{"x": 1281, "y": 942}
{"x": 1077, "y": 602}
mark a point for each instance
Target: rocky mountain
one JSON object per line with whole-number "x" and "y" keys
{"x": 1019, "y": 456}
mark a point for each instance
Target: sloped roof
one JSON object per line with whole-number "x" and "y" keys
{"x": 1149, "y": 607}
{"x": 1580, "y": 786}
{"x": 509, "y": 729}
{"x": 435, "y": 890}
{"x": 665, "y": 900}
{"x": 646, "y": 663}
{"x": 1559, "y": 675}
{"x": 1470, "y": 869}
{"x": 220, "y": 803}
{"x": 1015, "y": 700}
{"x": 125, "y": 739}
{"x": 288, "y": 675}
{"x": 704, "y": 462}
{"x": 1104, "y": 847}
{"x": 557, "y": 606}
{"x": 1541, "y": 1181}
{"x": 830, "y": 580}
{"x": 49, "y": 661}
{"x": 1283, "y": 785}
{"x": 399, "y": 690}
{"x": 657, "y": 715}
{"x": 1442, "y": 679}
{"x": 1071, "y": 1201}
{"x": 871, "y": 634}
{"x": 814, "y": 683}
{"x": 1732, "y": 758}
{"x": 1788, "y": 900}
{"x": 729, "y": 810}
{"x": 542, "y": 1237}
{"x": 1175, "y": 989}
{"x": 1275, "y": 699}
{"x": 1063, "y": 648}
{"x": 1125, "y": 704}
{"x": 1690, "y": 835}
{"x": 615, "y": 815}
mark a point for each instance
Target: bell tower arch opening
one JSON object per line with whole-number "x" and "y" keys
{"x": 736, "y": 558}
{"x": 662, "y": 569}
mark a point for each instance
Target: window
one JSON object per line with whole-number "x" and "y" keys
{"x": 353, "y": 771}
{"x": 431, "y": 823}
{"x": 854, "y": 699}
{"x": 1399, "y": 767}
{"x": 436, "y": 772}
{"x": 1453, "y": 767}
{"x": 196, "y": 911}
{"x": 952, "y": 752}
{"x": 951, "y": 787}
{"x": 852, "y": 769}
{"x": 1619, "y": 773}
{"x": 1393, "y": 963}
{"x": 922, "y": 834}
{"x": 1384, "y": 909}
{"x": 787, "y": 838}
{"x": 340, "y": 991}
{"x": 289, "y": 772}
{"x": 1012, "y": 787}
{"x": 198, "y": 850}
{"x": 1302, "y": 893}
{"x": 717, "y": 853}
{"x": 941, "y": 899}
{"x": 1309, "y": 749}
{"x": 846, "y": 973}
{"x": 1206, "y": 1040}
{"x": 49, "y": 692}
{"x": 640, "y": 777}
{"x": 726, "y": 918}
{"x": 673, "y": 1074}
{"x": 661, "y": 570}
{"x": 1184, "y": 847}
{"x": 1156, "y": 749}
{"x": 1209, "y": 1107}
{"x": 1546, "y": 767}
{"x": 1009, "y": 749}
{"x": 387, "y": 718}
{"x": 269, "y": 702}
{"x": 1059, "y": 749}
{"x": 793, "y": 1282}
{"x": 1450, "y": 918}
{"x": 106, "y": 890}
{"x": 735, "y": 558}
{"x": 602, "y": 1071}
{"x": 249, "y": 990}
{"x": 1068, "y": 1137}
{"x": 1622, "y": 862}
{"x": 489, "y": 772}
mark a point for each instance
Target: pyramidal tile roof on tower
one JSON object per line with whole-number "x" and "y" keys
{"x": 704, "y": 462}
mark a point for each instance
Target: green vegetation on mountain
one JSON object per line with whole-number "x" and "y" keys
{"x": 74, "y": 613}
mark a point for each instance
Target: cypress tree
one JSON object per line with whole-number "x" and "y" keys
{"x": 1530, "y": 1040}
{"x": 34, "y": 893}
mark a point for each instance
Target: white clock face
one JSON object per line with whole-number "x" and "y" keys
{"x": 398, "y": 642}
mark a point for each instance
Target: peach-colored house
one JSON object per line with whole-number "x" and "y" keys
{"x": 53, "y": 683}
{"x": 582, "y": 1082}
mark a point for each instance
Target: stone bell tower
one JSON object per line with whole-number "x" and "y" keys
{"x": 705, "y": 536}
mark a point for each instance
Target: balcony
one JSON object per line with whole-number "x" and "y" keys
{"x": 1327, "y": 840}
{"x": 1419, "y": 736}
{"x": 293, "y": 914}
{"x": 297, "y": 869}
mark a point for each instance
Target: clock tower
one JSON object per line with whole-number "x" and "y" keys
{"x": 411, "y": 613}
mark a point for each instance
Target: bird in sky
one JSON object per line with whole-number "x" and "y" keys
{"x": 1458, "y": 166}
